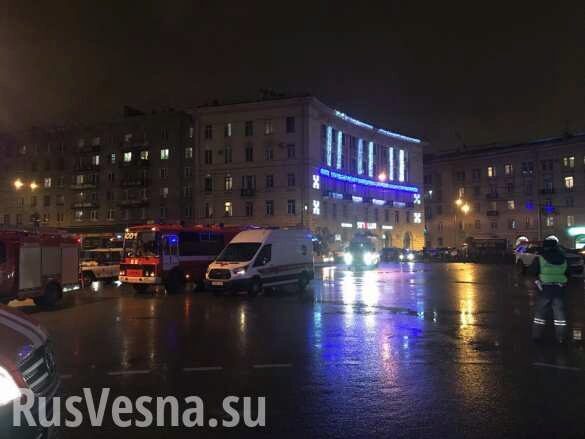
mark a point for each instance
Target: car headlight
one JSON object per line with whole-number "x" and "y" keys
{"x": 401, "y": 257}
{"x": 369, "y": 258}
{"x": 240, "y": 271}
{"x": 410, "y": 257}
{"x": 348, "y": 258}
{"x": 9, "y": 391}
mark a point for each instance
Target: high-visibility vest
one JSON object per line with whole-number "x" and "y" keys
{"x": 551, "y": 273}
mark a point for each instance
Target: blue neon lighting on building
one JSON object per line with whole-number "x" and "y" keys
{"x": 370, "y": 159}
{"x": 391, "y": 163}
{"x": 360, "y": 157}
{"x": 339, "y": 150}
{"x": 401, "y": 165}
{"x": 364, "y": 181}
{"x": 329, "y": 145}
{"x": 382, "y": 131}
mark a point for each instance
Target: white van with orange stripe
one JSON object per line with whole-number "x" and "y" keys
{"x": 263, "y": 258}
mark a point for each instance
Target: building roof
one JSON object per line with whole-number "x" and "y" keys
{"x": 495, "y": 148}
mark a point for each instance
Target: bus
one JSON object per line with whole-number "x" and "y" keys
{"x": 171, "y": 255}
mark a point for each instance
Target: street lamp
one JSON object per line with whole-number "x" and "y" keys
{"x": 463, "y": 207}
{"x": 382, "y": 176}
{"x": 18, "y": 184}
{"x": 33, "y": 186}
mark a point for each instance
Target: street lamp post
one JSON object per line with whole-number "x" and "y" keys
{"x": 464, "y": 208}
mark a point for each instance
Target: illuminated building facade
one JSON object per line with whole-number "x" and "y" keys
{"x": 533, "y": 190}
{"x": 295, "y": 161}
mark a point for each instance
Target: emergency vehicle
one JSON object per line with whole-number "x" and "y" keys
{"x": 27, "y": 362}
{"x": 171, "y": 255}
{"x": 38, "y": 265}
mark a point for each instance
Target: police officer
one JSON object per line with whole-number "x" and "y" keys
{"x": 551, "y": 269}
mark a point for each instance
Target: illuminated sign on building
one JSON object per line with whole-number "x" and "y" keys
{"x": 386, "y": 227}
{"x": 360, "y": 157}
{"x": 416, "y": 198}
{"x": 347, "y": 225}
{"x": 356, "y": 199}
{"x": 339, "y": 161}
{"x": 337, "y": 195}
{"x": 370, "y": 159}
{"x": 417, "y": 217}
{"x": 401, "y": 165}
{"x": 329, "y": 145}
{"x": 316, "y": 207}
{"x": 378, "y": 202}
{"x": 365, "y": 225}
{"x": 398, "y": 204}
{"x": 363, "y": 181}
{"x": 316, "y": 181}
{"x": 391, "y": 163}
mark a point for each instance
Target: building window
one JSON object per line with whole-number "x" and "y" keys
{"x": 144, "y": 155}
{"x": 228, "y": 183}
{"x": 461, "y": 192}
{"x": 249, "y": 208}
{"x": 249, "y": 154}
{"x": 550, "y": 221}
{"x": 60, "y": 217}
{"x": 164, "y": 211}
{"x": 208, "y": 183}
{"x": 227, "y": 154}
{"x": 269, "y": 208}
{"x": 510, "y": 187}
{"x": 569, "y": 202}
{"x": 95, "y": 160}
{"x": 570, "y": 220}
{"x": 19, "y": 218}
{"x": 440, "y": 227}
{"x": 60, "y": 200}
{"x": 113, "y": 158}
{"x": 290, "y": 124}
{"x": 269, "y": 153}
{"x": 191, "y": 130}
{"x": 189, "y": 152}
{"x": 569, "y": 182}
{"x": 291, "y": 207}
{"x": 187, "y": 191}
{"x": 249, "y": 128}
{"x": 47, "y": 182}
{"x": 396, "y": 217}
{"x": 291, "y": 151}
{"x": 475, "y": 174}
{"x": 227, "y": 130}
{"x": 96, "y": 141}
{"x": 268, "y": 129}
{"x": 227, "y": 208}
{"x": 164, "y": 192}
{"x": 508, "y": 169}
{"x": 569, "y": 162}
{"x": 491, "y": 171}
{"x": 189, "y": 212}
{"x": 164, "y": 154}
{"x": 164, "y": 173}
{"x": 111, "y": 177}
{"x": 79, "y": 215}
{"x": 511, "y": 205}
{"x": 33, "y": 201}
{"x": 93, "y": 215}
{"x": 270, "y": 181}
{"x": 460, "y": 176}
{"x": 494, "y": 225}
{"x": 208, "y": 132}
{"x": 290, "y": 178}
{"x": 164, "y": 134}
{"x": 477, "y": 224}
{"x": 127, "y": 157}
{"x": 208, "y": 210}
{"x": 188, "y": 171}
{"x": 46, "y": 200}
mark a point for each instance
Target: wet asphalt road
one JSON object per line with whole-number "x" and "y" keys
{"x": 408, "y": 350}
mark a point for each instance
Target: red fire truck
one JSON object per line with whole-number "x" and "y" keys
{"x": 38, "y": 265}
{"x": 171, "y": 255}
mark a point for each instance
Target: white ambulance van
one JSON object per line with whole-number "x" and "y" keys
{"x": 263, "y": 258}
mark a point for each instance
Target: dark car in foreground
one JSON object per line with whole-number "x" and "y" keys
{"x": 26, "y": 362}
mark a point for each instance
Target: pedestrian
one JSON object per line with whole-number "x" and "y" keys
{"x": 551, "y": 269}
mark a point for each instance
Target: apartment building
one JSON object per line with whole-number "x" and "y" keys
{"x": 295, "y": 161}
{"x": 533, "y": 189}
{"x": 101, "y": 177}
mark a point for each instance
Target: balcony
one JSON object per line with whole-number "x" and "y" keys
{"x": 492, "y": 213}
{"x": 141, "y": 163}
{"x": 83, "y": 186}
{"x": 134, "y": 203}
{"x": 491, "y": 195}
{"x": 135, "y": 182}
{"x": 84, "y": 205}
{"x": 248, "y": 192}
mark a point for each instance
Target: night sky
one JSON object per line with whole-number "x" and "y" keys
{"x": 487, "y": 71}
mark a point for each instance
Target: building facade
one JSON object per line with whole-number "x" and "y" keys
{"x": 532, "y": 190}
{"x": 297, "y": 162}
{"x": 100, "y": 177}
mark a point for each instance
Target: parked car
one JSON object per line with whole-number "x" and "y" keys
{"x": 263, "y": 258}
{"x": 26, "y": 362}
{"x": 525, "y": 255}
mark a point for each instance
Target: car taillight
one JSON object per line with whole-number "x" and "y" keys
{"x": 122, "y": 272}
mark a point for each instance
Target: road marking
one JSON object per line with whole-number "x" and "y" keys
{"x": 202, "y": 369}
{"x": 555, "y": 366}
{"x": 129, "y": 372}
{"x": 66, "y": 377}
{"x": 274, "y": 365}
